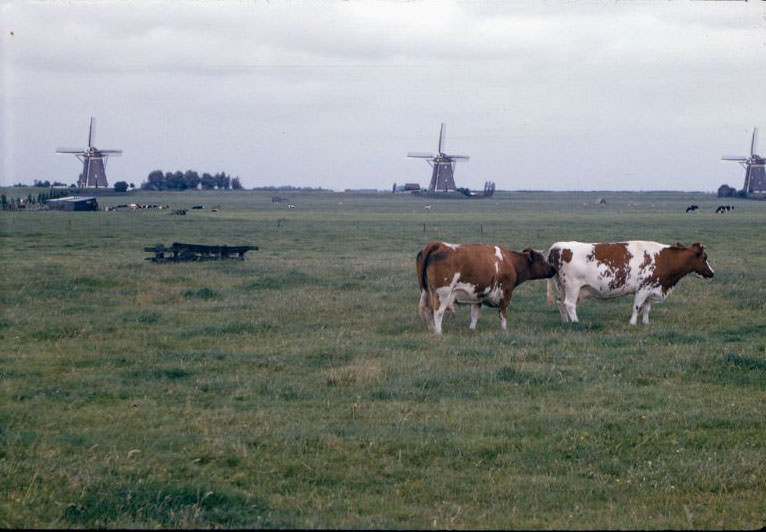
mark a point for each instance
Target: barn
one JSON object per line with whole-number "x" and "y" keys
{"x": 73, "y": 203}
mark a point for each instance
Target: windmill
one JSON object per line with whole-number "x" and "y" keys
{"x": 93, "y": 162}
{"x": 755, "y": 175}
{"x": 442, "y": 178}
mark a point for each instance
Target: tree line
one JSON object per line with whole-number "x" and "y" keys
{"x": 190, "y": 179}
{"x": 31, "y": 201}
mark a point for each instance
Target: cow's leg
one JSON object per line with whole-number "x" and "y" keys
{"x": 425, "y": 310}
{"x": 442, "y": 300}
{"x": 571, "y": 295}
{"x": 438, "y": 313}
{"x": 560, "y": 289}
{"x": 638, "y": 302}
{"x": 503, "y": 311}
{"x": 646, "y": 309}
{"x": 475, "y": 313}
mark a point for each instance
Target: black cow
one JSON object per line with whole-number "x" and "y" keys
{"x": 692, "y": 208}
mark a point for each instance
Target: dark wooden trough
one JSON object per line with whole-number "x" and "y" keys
{"x": 180, "y": 252}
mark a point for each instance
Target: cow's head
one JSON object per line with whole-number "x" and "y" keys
{"x": 698, "y": 262}
{"x": 538, "y": 267}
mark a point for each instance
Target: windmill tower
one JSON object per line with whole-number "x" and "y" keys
{"x": 93, "y": 162}
{"x": 755, "y": 171}
{"x": 442, "y": 178}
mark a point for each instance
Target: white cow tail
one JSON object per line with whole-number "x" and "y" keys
{"x": 550, "y": 290}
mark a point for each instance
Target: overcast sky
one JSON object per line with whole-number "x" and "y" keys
{"x": 546, "y": 95}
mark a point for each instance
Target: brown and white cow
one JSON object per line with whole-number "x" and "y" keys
{"x": 649, "y": 270}
{"x": 473, "y": 274}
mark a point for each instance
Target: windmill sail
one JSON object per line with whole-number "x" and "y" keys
{"x": 752, "y": 142}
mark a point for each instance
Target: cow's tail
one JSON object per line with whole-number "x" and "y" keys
{"x": 422, "y": 261}
{"x": 550, "y": 289}
{"x": 550, "y": 284}
{"x": 425, "y": 307}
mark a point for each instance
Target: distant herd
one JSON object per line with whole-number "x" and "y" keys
{"x": 476, "y": 274}
{"x": 718, "y": 210}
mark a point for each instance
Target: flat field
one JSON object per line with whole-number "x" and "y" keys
{"x": 298, "y": 388}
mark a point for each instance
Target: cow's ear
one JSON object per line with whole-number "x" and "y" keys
{"x": 530, "y": 253}
{"x": 698, "y": 248}
{"x": 678, "y": 245}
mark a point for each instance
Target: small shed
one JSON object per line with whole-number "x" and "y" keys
{"x": 73, "y": 203}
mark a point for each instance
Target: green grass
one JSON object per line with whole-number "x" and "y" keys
{"x": 298, "y": 388}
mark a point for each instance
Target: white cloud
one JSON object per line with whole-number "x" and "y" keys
{"x": 351, "y": 86}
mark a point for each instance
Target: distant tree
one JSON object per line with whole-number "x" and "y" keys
{"x": 121, "y": 186}
{"x": 175, "y": 180}
{"x": 207, "y": 181}
{"x": 132, "y": 186}
{"x": 45, "y": 183}
{"x": 222, "y": 181}
{"x": 4, "y": 202}
{"x": 154, "y": 181}
{"x": 191, "y": 179}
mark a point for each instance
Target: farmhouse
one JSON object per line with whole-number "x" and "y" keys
{"x": 73, "y": 203}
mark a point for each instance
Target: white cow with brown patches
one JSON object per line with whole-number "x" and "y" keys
{"x": 649, "y": 270}
{"x": 473, "y": 274}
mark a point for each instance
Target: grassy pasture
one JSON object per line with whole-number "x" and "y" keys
{"x": 299, "y": 389}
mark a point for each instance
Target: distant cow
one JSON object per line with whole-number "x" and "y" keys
{"x": 647, "y": 269}
{"x": 723, "y": 208}
{"x": 692, "y": 208}
{"x": 472, "y": 274}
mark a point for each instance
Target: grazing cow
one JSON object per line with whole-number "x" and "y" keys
{"x": 723, "y": 208}
{"x": 647, "y": 269}
{"x": 473, "y": 274}
{"x": 692, "y": 208}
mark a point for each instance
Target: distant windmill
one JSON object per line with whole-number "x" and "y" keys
{"x": 755, "y": 175}
{"x": 442, "y": 178}
{"x": 93, "y": 161}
